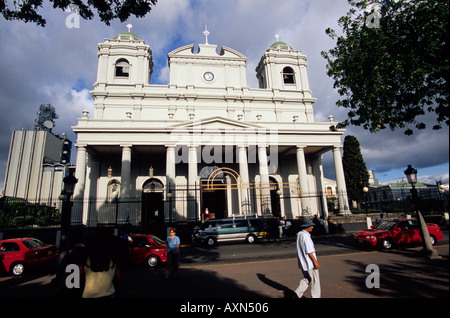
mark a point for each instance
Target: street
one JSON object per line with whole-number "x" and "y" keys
{"x": 271, "y": 250}
{"x": 269, "y": 270}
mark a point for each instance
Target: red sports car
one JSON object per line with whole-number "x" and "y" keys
{"x": 397, "y": 232}
{"x": 20, "y": 253}
{"x": 147, "y": 249}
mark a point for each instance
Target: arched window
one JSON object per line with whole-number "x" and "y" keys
{"x": 122, "y": 68}
{"x": 288, "y": 75}
{"x": 113, "y": 191}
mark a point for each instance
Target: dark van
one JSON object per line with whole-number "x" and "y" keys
{"x": 230, "y": 229}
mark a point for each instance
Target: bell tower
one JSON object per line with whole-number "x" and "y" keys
{"x": 124, "y": 60}
{"x": 283, "y": 68}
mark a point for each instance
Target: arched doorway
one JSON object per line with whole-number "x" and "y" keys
{"x": 152, "y": 220}
{"x": 275, "y": 193}
{"x": 213, "y": 193}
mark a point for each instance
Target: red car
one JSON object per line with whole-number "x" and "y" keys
{"x": 147, "y": 249}
{"x": 397, "y": 232}
{"x": 18, "y": 254}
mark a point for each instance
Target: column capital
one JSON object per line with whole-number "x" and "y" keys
{"x": 81, "y": 146}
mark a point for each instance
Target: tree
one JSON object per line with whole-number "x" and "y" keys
{"x": 27, "y": 10}
{"x": 391, "y": 66}
{"x": 355, "y": 170}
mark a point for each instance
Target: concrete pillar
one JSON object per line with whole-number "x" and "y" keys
{"x": 265, "y": 186}
{"x": 340, "y": 181}
{"x": 245, "y": 180}
{"x": 303, "y": 181}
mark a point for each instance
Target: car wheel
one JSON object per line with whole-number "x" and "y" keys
{"x": 17, "y": 269}
{"x": 152, "y": 261}
{"x": 251, "y": 239}
{"x": 210, "y": 241}
{"x": 386, "y": 244}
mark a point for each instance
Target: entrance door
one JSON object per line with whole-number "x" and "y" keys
{"x": 153, "y": 208}
{"x": 214, "y": 193}
{"x": 214, "y": 201}
{"x": 275, "y": 198}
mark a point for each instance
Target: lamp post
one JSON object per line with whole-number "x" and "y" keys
{"x": 430, "y": 252}
{"x": 66, "y": 211}
{"x": 366, "y": 205}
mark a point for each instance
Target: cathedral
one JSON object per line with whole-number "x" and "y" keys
{"x": 205, "y": 145}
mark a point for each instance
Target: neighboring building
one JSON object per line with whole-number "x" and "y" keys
{"x": 372, "y": 179}
{"x": 399, "y": 192}
{"x": 205, "y": 145}
{"x": 37, "y": 163}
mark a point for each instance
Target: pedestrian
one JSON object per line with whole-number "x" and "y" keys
{"x": 380, "y": 219}
{"x": 172, "y": 252}
{"x": 102, "y": 269}
{"x": 307, "y": 261}
{"x": 281, "y": 224}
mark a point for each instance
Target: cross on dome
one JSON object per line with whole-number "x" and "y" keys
{"x": 206, "y": 33}
{"x": 129, "y": 26}
{"x": 277, "y": 36}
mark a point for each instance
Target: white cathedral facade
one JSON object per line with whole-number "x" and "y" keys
{"x": 206, "y": 145}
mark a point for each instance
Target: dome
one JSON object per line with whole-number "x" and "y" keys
{"x": 278, "y": 43}
{"x": 127, "y": 36}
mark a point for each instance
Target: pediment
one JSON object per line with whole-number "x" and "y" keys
{"x": 217, "y": 122}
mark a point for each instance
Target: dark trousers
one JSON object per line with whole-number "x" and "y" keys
{"x": 172, "y": 264}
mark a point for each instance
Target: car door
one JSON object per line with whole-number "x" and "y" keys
{"x": 241, "y": 228}
{"x": 138, "y": 249}
{"x": 408, "y": 232}
{"x": 10, "y": 254}
{"x": 415, "y": 231}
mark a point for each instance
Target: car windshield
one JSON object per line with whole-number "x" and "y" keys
{"x": 157, "y": 240}
{"x": 386, "y": 225}
{"x": 33, "y": 243}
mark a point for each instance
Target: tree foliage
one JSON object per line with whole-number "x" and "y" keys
{"x": 355, "y": 170}
{"x": 27, "y": 10}
{"x": 391, "y": 65}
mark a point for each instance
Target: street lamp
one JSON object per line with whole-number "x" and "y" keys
{"x": 430, "y": 252}
{"x": 366, "y": 206}
{"x": 411, "y": 175}
{"x": 69, "y": 186}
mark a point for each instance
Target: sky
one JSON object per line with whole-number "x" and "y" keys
{"x": 57, "y": 65}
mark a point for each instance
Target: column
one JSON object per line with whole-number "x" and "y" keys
{"x": 303, "y": 180}
{"x": 125, "y": 175}
{"x": 80, "y": 172}
{"x": 169, "y": 214}
{"x": 243, "y": 172}
{"x": 78, "y": 211}
{"x": 340, "y": 181}
{"x": 264, "y": 174}
{"x": 125, "y": 184}
{"x": 192, "y": 184}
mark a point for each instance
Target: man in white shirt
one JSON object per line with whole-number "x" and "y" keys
{"x": 307, "y": 261}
